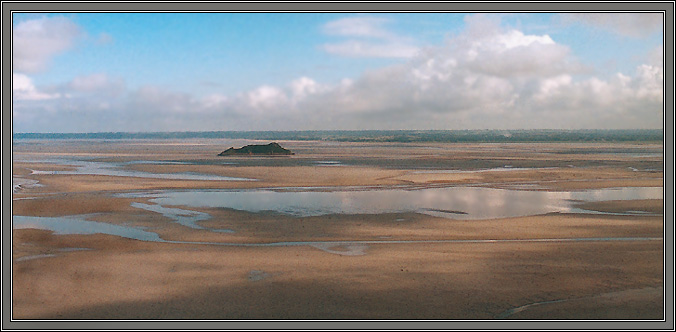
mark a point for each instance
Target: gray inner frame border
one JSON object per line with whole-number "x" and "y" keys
{"x": 668, "y": 127}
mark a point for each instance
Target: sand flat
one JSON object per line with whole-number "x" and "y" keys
{"x": 442, "y": 281}
{"x": 101, "y": 276}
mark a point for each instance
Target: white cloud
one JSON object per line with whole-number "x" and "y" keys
{"x": 553, "y": 86}
{"x": 486, "y": 76}
{"x": 303, "y": 87}
{"x": 619, "y": 102}
{"x": 515, "y": 38}
{"x": 627, "y": 24}
{"x": 491, "y": 77}
{"x": 37, "y": 41}
{"x": 99, "y": 83}
{"x": 649, "y": 82}
{"x": 513, "y": 53}
{"x": 367, "y": 37}
{"x": 485, "y": 69}
{"x": 23, "y": 89}
{"x": 357, "y": 48}
{"x": 214, "y": 101}
{"x": 363, "y": 26}
{"x": 155, "y": 100}
{"x": 266, "y": 98}
{"x": 90, "y": 82}
{"x": 656, "y": 56}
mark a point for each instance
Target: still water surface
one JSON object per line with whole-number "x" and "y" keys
{"x": 83, "y": 167}
{"x": 451, "y": 202}
{"x": 76, "y": 225}
{"x": 469, "y": 203}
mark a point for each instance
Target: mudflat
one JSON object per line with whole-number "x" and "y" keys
{"x": 579, "y": 259}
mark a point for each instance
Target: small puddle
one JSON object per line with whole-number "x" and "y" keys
{"x": 341, "y": 249}
{"x": 641, "y": 212}
{"x": 516, "y": 310}
{"x": 256, "y": 275}
{"x": 31, "y": 257}
{"x": 155, "y": 162}
{"x": 28, "y": 258}
{"x": 496, "y": 169}
{"x": 328, "y": 163}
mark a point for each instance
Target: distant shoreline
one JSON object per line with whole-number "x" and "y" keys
{"x": 441, "y": 136}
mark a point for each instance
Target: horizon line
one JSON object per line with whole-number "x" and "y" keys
{"x": 327, "y": 130}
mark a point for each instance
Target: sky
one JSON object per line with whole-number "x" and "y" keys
{"x": 142, "y": 72}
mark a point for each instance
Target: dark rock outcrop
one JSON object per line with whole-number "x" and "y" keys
{"x": 272, "y": 149}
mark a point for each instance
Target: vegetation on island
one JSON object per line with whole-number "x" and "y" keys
{"x": 268, "y": 149}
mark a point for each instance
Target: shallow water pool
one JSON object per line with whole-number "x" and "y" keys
{"x": 83, "y": 167}
{"x": 468, "y": 203}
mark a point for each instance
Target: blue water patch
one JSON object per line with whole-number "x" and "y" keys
{"x": 73, "y": 225}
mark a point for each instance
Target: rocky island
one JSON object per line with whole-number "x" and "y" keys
{"x": 272, "y": 149}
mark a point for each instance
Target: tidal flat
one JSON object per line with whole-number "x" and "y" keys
{"x": 166, "y": 229}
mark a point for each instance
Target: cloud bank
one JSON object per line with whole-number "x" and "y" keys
{"x": 486, "y": 77}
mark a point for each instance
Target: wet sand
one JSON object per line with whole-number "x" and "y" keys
{"x": 115, "y": 278}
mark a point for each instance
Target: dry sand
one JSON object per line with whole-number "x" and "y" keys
{"x": 128, "y": 279}
{"x": 116, "y": 278}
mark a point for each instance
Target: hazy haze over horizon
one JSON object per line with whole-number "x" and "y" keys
{"x": 155, "y": 72}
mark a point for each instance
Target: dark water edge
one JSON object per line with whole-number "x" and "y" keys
{"x": 494, "y": 136}
{"x": 78, "y": 225}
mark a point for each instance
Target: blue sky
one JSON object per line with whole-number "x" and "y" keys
{"x": 91, "y": 72}
{"x": 240, "y": 51}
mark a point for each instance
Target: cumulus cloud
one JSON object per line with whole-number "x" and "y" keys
{"x": 91, "y": 95}
{"x": 494, "y": 77}
{"x": 303, "y": 87}
{"x": 621, "y": 101}
{"x": 37, "y": 41}
{"x": 627, "y": 24}
{"x": 265, "y": 98}
{"x": 367, "y": 37}
{"x": 484, "y": 69}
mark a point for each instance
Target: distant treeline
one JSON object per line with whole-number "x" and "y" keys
{"x": 639, "y": 135}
